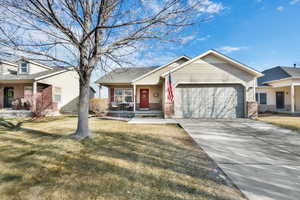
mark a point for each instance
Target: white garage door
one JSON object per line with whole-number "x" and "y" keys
{"x": 209, "y": 101}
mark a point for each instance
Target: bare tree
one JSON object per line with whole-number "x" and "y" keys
{"x": 90, "y": 34}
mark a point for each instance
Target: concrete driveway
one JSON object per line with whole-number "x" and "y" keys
{"x": 261, "y": 159}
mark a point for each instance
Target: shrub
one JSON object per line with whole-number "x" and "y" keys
{"x": 98, "y": 106}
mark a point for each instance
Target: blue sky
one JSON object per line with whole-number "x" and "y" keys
{"x": 259, "y": 33}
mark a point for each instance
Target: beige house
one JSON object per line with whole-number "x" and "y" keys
{"x": 210, "y": 85}
{"x": 279, "y": 90}
{"x": 29, "y": 85}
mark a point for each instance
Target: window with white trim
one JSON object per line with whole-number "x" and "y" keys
{"x": 57, "y": 94}
{"x": 261, "y": 98}
{"x": 24, "y": 67}
{"x": 123, "y": 95}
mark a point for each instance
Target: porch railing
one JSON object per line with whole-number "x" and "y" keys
{"x": 128, "y": 106}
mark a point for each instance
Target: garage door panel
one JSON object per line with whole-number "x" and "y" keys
{"x": 209, "y": 101}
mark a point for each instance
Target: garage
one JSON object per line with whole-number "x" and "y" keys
{"x": 209, "y": 101}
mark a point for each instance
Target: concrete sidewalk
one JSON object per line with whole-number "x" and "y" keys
{"x": 262, "y": 160}
{"x": 147, "y": 120}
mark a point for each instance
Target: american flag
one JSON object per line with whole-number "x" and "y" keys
{"x": 170, "y": 89}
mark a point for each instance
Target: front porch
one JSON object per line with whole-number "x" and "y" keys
{"x": 280, "y": 98}
{"x": 135, "y": 100}
{"x": 296, "y": 113}
{"x": 20, "y": 98}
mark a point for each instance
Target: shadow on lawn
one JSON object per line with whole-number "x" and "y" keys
{"x": 18, "y": 127}
{"x": 80, "y": 175}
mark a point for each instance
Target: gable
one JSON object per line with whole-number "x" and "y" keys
{"x": 33, "y": 67}
{"x": 211, "y": 69}
{"x": 154, "y": 77}
{"x": 213, "y": 56}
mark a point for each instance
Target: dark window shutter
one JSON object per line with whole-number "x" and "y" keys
{"x": 112, "y": 94}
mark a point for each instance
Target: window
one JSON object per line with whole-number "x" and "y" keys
{"x": 123, "y": 95}
{"x": 261, "y": 98}
{"x": 57, "y": 94}
{"x": 24, "y": 67}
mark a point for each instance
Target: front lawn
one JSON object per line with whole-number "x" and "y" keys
{"x": 285, "y": 121}
{"x": 38, "y": 161}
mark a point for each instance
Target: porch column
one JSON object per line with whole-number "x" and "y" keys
{"x": 34, "y": 95}
{"x": 292, "y": 98}
{"x": 134, "y": 98}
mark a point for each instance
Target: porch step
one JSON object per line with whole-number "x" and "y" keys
{"x": 138, "y": 113}
{"x": 153, "y": 113}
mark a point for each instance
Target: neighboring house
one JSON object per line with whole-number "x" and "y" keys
{"x": 210, "y": 85}
{"x": 279, "y": 90}
{"x": 25, "y": 84}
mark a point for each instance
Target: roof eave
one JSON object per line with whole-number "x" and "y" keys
{"x": 33, "y": 62}
{"x": 243, "y": 66}
{"x": 48, "y": 75}
{"x": 278, "y": 80}
{"x": 159, "y": 68}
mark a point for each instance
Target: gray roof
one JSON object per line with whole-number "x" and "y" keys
{"x": 292, "y": 71}
{"x": 124, "y": 75}
{"x": 5, "y": 77}
{"x": 277, "y": 73}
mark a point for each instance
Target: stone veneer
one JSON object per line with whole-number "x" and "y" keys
{"x": 252, "y": 109}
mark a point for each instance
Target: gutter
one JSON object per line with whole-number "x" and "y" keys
{"x": 46, "y": 76}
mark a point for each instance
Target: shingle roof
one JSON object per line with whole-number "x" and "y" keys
{"x": 5, "y": 77}
{"x": 292, "y": 71}
{"x": 278, "y": 73}
{"x": 124, "y": 75}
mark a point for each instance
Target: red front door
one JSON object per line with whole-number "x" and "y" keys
{"x": 144, "y": 98}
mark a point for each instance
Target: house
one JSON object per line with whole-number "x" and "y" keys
{"x": 279, "y": 90}
{"x": 29, "y": 85}
{"x": 210, "y": 85}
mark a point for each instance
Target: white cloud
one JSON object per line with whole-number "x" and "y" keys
{"x": 204, "y": 38}
{"x": 154, "y": 5}
{"x": 206, "y": 6}
{"x": 280, "y": 8}
{"x": 187, "y": 39}
{"x": 229, "y": 49}
{"x": 294, "y": 2}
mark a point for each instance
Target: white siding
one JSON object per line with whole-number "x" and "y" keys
{"x": 69, "y": 84}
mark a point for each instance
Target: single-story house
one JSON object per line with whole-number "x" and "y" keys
{"x": 279, "y": 90}
{"x": 29, "y": 85}
{"x": 210, "y": 85}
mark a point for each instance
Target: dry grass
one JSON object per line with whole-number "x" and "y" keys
{"x": 285, "y": 121}
{"x": 38, "y": 161}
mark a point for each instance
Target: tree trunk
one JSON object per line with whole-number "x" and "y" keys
{"x": 83, "y": 110}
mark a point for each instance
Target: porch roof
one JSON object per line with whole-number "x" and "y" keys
{"x": 17, "y": 77}
{"x": 124, "y": 75}
{"x": 277, "y": 74}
